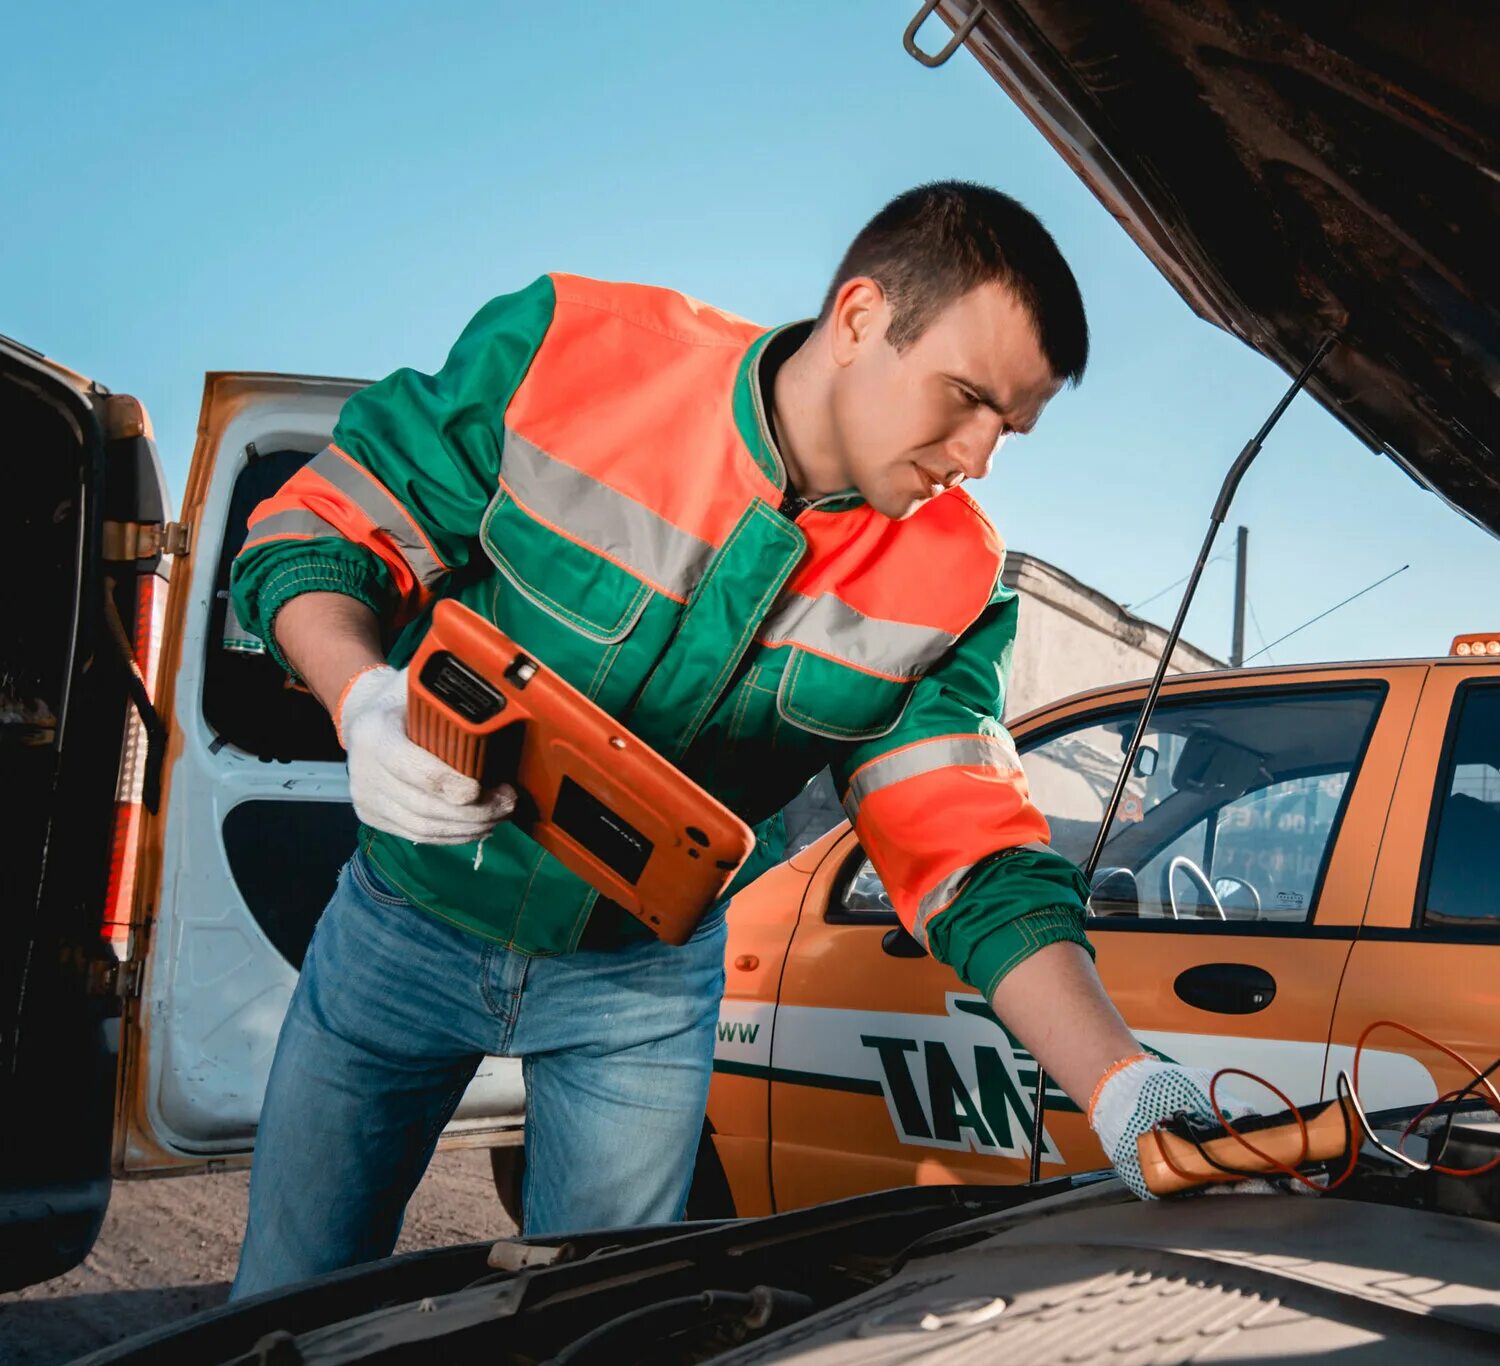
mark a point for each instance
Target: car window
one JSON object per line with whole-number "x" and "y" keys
{"x": 1229, "y": 815}
{"x": 865, "y": 891}
{"x": 1230, "y": 812}
{"x": 1460, "y": 886}
{"x": 1271, "y": 842}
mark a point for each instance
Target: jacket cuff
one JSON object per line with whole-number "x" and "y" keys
{"x": 1006, "y": 948}
{"x": 314, "y": 576}
{"x": 1016, "y": 902}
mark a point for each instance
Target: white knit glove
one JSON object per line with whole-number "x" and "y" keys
{"x": 1134, "y": 1098}
{"x": 395, "y": 784}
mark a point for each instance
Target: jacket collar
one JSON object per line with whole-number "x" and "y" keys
{"x": 754, "y": 426}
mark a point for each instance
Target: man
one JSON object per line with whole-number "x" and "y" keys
{"x": 750, "y": 546}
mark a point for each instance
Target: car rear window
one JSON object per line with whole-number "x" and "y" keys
{"x": 1460, "y": 886}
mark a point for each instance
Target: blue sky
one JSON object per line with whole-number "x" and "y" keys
{"x": 335, "y": 189}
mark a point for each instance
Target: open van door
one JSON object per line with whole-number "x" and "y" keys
{"x": 253, "y": 825}
{"x": 176, "y": 812}
{"x": 84, "y": 533}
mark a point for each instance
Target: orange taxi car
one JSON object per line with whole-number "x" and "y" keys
{"x": 1302, "y": 852}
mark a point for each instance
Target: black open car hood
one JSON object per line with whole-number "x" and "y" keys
{"x": 1399, "y": 1265}
{"x": 1297, "y": 170}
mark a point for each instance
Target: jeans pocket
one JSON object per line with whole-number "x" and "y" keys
{"x": 713, "y": 920}
{"x": 372, "y": 884}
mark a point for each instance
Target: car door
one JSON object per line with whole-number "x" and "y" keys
{"x": 253, "y": 825}
{"x": 887, "y": 1070}
{"x": 1428, "y": 954}
{"x": 83, "y": 523}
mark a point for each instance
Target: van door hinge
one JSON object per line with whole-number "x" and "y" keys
{"x": 145, "y": 540}
{"x": 114, "y": 978}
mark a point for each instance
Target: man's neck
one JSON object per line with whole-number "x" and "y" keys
{"x": 799, "y": 414}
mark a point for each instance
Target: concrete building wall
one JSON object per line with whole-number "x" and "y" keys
{"x": 1071, "y": 638}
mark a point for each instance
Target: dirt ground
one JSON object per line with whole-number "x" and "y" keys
{"x": 168, "y": 1249}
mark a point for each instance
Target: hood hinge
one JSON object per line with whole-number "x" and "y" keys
{"x": 146, "y": 540}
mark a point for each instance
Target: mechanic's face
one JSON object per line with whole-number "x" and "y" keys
{"x": 913, "y": 423}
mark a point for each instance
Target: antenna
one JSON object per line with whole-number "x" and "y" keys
{"x": 1331, "y": 610}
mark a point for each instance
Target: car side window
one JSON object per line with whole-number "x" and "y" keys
{"x": 1230, "y": 813}
{"x": 1269, "y": 846}
{"x": 865, "y": 892}
{"x": 1460, "y": 884}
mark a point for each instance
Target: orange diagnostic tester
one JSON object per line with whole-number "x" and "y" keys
{"x": 1179, "y": 1155}
{"x": 603, "y": 802}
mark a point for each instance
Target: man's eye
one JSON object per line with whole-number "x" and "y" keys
{"x": 971, "y": 399}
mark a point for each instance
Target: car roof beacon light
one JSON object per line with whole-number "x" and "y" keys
{"x": 1481, "y": 643}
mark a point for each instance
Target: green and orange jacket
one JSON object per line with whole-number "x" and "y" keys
{"x": 592, "y": 470}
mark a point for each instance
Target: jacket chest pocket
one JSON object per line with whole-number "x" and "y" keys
{"x": 835, "y": 702}
{"x": 577, "y": 610}
{"x": 790, "y": 715}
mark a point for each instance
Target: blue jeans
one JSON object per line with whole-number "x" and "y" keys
{"x": 392, "y": 1015}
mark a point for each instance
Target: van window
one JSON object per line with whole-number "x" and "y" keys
{"x": 247, "y": 699}
{"x": 1230, "y": 813}
{"x": 1460, "y": 886}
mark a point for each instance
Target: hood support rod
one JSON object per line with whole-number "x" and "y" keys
{"x": 1215, "y": 521}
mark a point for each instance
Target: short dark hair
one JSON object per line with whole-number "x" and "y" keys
{"x": 932, "y": 245}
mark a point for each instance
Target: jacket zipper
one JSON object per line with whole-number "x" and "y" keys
{"x": 793, "y": 505}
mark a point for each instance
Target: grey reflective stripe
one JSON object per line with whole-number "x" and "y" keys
{"x": 830, "y": 626}
{"x": 370, "y": 497}
{"x": 603, "y": 518}
{"x": 934, "y": 900}
{"x": 293, "y": 522}
{"x": 973, "y": 751}
{"x": 944, "y": 893}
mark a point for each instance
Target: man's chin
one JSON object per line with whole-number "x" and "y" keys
{"x": 900, "y": 508}
{"x": 896, "y": 503}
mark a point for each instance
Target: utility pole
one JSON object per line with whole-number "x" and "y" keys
{"x": 1237, "y": 651}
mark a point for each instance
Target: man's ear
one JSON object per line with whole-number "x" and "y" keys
{"x": 860, "y": 316}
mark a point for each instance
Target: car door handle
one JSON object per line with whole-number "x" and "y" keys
{"x": 1226, "y": 988}
{"x": 899, "y": 944}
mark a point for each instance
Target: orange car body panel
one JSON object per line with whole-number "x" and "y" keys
{"x": 739, "y": 1108}
{"x": 832, "y": 993}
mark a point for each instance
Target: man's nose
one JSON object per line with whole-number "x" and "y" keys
{"x": 973, "y": 450}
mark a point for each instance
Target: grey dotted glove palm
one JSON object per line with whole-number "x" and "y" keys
{"x": 1137, "y": 1094}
